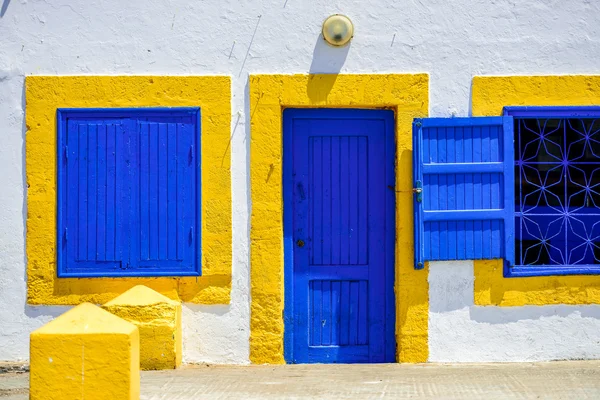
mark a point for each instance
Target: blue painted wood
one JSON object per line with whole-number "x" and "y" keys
{"x": 337, "y": 174}
{"x": 465, "y": 167}
{"x": 128, "y": 192}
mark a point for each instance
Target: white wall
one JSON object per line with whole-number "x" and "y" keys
{"x": 451, "y": 40}
{"x": 459, "y": 331}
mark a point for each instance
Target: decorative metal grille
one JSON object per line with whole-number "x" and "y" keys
{"x": 557, "y": 193}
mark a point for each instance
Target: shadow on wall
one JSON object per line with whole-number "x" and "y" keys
{"x": 4, "y": 8}
{"x": 326, "y": 60}
{"x": 46, "y": 313}
{"x": 505, "y": 315}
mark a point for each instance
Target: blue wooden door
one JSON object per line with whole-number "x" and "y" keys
{"x": 339, "y": 235}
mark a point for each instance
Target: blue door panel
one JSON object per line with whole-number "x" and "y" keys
{"x": 128, "y": 192}
{"x": 463, "y": 175}
{"x": 339, "y": 232}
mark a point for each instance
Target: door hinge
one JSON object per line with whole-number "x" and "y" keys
{"x": 66, "y": 235}
{"x": 191, "y": 234}
{"x": 191, "y": 155}
{"x": 66, "y": 153}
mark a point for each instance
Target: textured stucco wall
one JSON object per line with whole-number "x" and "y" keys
{"x": 460, "y": 331}
{"x": 452, "y": 41}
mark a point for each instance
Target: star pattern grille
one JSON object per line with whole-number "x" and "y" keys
{"x": 557, "y": 191}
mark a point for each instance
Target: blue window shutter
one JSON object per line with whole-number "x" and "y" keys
{"x": 168, "y": 195}
{"x": 93, "y": 194}
{"x": 464, "y": 189}
{"x": 128, "y": 192}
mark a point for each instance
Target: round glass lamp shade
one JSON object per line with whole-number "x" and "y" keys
{"x": 338, "y": 30}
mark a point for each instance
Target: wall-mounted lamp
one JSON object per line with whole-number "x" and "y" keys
{"x": 338, "y": 30}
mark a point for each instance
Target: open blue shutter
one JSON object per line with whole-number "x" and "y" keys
{"x": 464, "y": 189}
{"x": 93, "y": 197}
{"x": 167, "y": 196}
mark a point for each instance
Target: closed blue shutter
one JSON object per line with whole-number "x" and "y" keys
{"x": 464, "y": 189}
{"x": 128, "y": 184}
{"x": 167, "y": 196}
{"x": 93, "y": 196}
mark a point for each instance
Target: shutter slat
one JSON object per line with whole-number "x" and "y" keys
{"x": 466, "y": 207}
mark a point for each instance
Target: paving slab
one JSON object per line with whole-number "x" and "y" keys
{"x": 551, "y": 380}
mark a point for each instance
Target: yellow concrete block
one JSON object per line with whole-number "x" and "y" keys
{"x": 159, "y": 321}
{"x": 86, "y": 353}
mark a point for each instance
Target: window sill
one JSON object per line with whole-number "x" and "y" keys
{"x": 128, "y": 274}
{"x": 560, "y": 270}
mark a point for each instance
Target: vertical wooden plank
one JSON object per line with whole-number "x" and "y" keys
{"x": 171, "y": 231}
{"x": 477, "y": 225}
{"x": 363, "y": 315}
{"x": 443, "y": 205}
{"x": 326, "y": 321}
{"x": 353, "y": 201}
{"x": 162, "y": 191}
{"x": 353, "y": 331}
{"x": 111, "y": 191}
{"x": 336, "y": 292}
{"x": 469, "y": 195}
{"x": 450, "y": 203}
{"x": 477, "y": 139}
{"x": 102, "y": 156}
{"x": 336, "y": 201}
{"x": 485, "y": 144}
{"x": 317, "y": 218}
{"x": 134, "y": 193}
{"x": 315, "y": 339}
{"x": 496, "y": 202}
{"x": 442, "y": 142}
{"x": 122, "y": 194}
{"x": 434, "y": 234}
{"x": 145, "y": 179}
{"x": 153, "y": 178}
{"x": 182, "y": 150}
{"x": 433, "y": 145}
{"x": 450, "y": 144}
{"x": 82, "y": 193}
{"x": 495, "y": 154}
{"x": 345, "y": 313}
{"x": 71, "y": 210}
{"x": 469, "y": 240}
{"x": 92, "y": 225}
{"x": 497, "y": 245}
{"x": 460, "y": 194}
{"x": 486, "y": 224}
{"x": 327, "y": 208}
{"x": 363, "y": 191}
{"x": 345, "y": 195}
{"x": 477, "y": 194}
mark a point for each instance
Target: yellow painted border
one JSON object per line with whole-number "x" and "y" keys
{"x": 489, "y": 96}
{"x": 44, "y": 94}
{"x": 407, "y": 95}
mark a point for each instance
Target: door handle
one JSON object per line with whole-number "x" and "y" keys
{"x": 300, "y": 243}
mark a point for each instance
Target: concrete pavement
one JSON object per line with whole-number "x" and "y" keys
{"x": 552, "y": 380}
